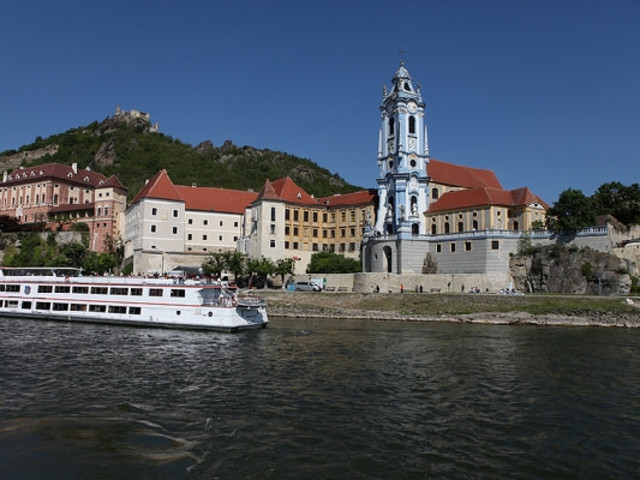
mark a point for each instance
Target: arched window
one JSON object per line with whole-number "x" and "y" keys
{"x": 475, "y": 225}
{"x": 434, "y": 229}
{"x": 391, "y": 127}
{"x": 434, "y": 193}
{"x": 412, "y": 124}
{"x": 460, "y": 227}
{"x": 446, "y": 227}
{"x": 516, "y": 225}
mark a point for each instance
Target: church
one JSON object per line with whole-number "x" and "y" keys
{"x": 433, "y": 216}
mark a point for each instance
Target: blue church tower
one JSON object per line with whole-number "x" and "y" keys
{"x": 403, "y": 155}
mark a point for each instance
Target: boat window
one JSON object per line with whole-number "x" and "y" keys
{"x": 45, "y": 288}
{"x": 43, "y": 305}
{"x": 97, "y": 308}
{"x": 26, "y": 305}
{"x": 155, "y": 292}
{"x": 117, "y": 309}
{"x": 136, "y": 291}
{"x": 62, "y": 289}
{"x": 60, "y": 307}
{"x": 135, "y": 310}
{"x": 99, "y": 290}
{"x": 78, "y": 307}
{"x": 177, "y": 292}
{"x": 2, "y": 288}
{"x": 11, "y": 304}
{"x": 13, "y": 288}
{"x": 119, "y": 291}
{"x": 80, "y": 290}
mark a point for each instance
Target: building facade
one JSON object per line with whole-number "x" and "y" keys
{"x": 286, "y": 222}
{"x": 57, "y": 195}
{"x": 434, "y": 216}
{"x": 170, "y": 225}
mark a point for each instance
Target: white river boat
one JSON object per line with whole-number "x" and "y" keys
{"x": 64, "y": 294}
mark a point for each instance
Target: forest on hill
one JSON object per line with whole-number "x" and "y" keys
{"x": 130, "y": 149}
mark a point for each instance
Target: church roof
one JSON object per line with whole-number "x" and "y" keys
{"x": 484, "y": 196}
{"x": 460, "y": 176}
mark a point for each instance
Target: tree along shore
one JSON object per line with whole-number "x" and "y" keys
{"x": 559, "y": 310}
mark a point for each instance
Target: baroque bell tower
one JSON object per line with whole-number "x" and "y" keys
{"x": 403, "y": 155}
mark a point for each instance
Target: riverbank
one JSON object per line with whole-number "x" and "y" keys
{"x": 462, "y": 308}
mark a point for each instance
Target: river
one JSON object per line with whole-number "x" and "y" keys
{"x": 319, "y": 399}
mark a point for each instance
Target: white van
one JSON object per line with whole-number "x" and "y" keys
{"x": 307, "y": 287}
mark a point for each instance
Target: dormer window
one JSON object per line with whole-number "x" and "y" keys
{"x": 86, "y": 179}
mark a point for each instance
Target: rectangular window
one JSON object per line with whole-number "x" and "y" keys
{"x": 453, "y": 247}
{"x": 189, "y": 237}
{"x": 60, "y": 307}
{"x": 305, "y": 216}
{"x": 98, "y": 308}
{"x": 272, "y": 244}
{"x": 204, "y": 237}
{"x": 99, "y": 290}
{"x": 287, "y": 214}
{"x": 135, "y": 310}
{"x": 82, "y": 290}
{"x": 136, "y": 292}
{"x": 154, "y": 211}
{"x": 155, "y": 292}
{"x": 153, "y": 229}
{"x": 11, "y": 304}
{"x": 43, "y": 305}
{"x": 78, "y": 307}
{"x": 286, "y": 245}
{"x": 178, "y": 292}
{"x": 205, "y": 222}
{"x": 26, "y": 305}
{"x": 235, "y": 224}
{"x": 286, "y": 230}
{"x": 295, "y": 231}
{"x": 117, "y": 309}
{"x": 221, "y": 223}
{"x": 315, "y": 217}
{"x": 273, "y": 214}
{"x": 119, "y": 291}
{"x": 175, "y": 214}
{"x": 175, "y": 230}
{"x": 272, "y": 229}
{"x": 45, "y": 289}
{"x": 190, "y": 221}
{"x": 295, "y": 215}
{"x": 62, "y": 289}
{"x": 467, "y": 246}
{"x": 495, "y": 245}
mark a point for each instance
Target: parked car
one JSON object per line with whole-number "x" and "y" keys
{"x": 307, "y": 287}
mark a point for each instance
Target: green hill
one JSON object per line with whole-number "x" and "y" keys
{"x": 129, "y": 148}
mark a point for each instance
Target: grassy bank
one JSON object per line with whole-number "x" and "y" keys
{"x": 446, "y": 304}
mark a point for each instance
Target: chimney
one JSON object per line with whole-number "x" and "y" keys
{"x": 74, "y": 167}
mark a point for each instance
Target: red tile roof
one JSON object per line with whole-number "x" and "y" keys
{"x": 59, "y": 171}
{"x": 484, "y": 196}
{"x": 209, "y": 199}
{"x": 287, "y": 190}
{"x": 356, "y": 198}
{"x": 161, "y": 187}
{"x": 450, "y": 174}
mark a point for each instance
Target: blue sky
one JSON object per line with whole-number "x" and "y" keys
{"x": 544, "y": 92}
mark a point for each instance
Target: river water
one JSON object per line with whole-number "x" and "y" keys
{"x": 319, "y": 399}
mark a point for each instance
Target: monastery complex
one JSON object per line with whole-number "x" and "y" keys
{"x": 425, "y": 216}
